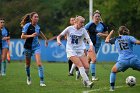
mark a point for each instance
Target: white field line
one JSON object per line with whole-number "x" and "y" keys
{"x": 104, "y": 89}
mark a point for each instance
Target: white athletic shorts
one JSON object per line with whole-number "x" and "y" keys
{"x": 77, "y": 53}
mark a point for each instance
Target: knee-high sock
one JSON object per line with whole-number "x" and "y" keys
{"x": 28, "y": 71}
{"x": 72, "y": 68}
{"x": 3, "y": 67}
{"x": 41, "y": 73}
{"x": 83, "y": 74}
{"x": 93, "y": 68}
{"x": 112, "y": 79}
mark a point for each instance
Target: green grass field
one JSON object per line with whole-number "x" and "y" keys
{"x": 58, "y": 81}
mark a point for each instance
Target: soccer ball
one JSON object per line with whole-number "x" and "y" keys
{"x": 131, "y": 81}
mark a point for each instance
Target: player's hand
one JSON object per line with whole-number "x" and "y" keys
{"x": 59, "y": 43}
{"x": 4, "y": 38}
{"x": 90, "y": 49}
{"x": 100, "y": 34}
{"x": 34, "y": 34}
{"x": 46, "y": 43}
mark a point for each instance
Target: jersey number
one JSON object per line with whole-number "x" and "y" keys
{"x": 123, "y": 46}
{"x": 74, "y": 41}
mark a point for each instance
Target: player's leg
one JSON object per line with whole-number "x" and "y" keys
{"x": 135, "y": 63}
{"x": 72, "y": 70}
{"x": 0, "y": 62}
{"x": 92, "y": 56}
{"x": 8, "y": 56}
{"x": 118, "y": 67}
{"x": 4, "y": 54}
{"x": 27, "y": 68}
{"x": 85, "y": 63}
{"x": 77, "y": 73}
{"x": 40, "y": 68}
{"x": 70, "y": 64}
{"x": 28, "y": 55}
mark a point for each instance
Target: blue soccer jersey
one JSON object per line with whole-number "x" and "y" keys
{"x": 124, "y": 45}
{"x": 93, "y": 29}
{"x": 4, "y": 33}
{"x": 31, "y": 43}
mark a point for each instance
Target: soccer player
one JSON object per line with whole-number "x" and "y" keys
{"x": 72, "y": 21}
{"x": 30, "y": 32}
{"x": 127, "y": 59}
{"x": 4, "y": 36}
{"x": 75, "y": 47}
{"x": 97, "y": 31}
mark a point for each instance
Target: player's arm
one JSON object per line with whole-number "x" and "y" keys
{"x": 24, "y": 36}
{"x": 109, "y": 36}
{"x": 44, "y": 37}
{"x": 59, "y": 39}
{"x": 137, "y": 42}
{"x": 103, "y": 34}
{"x": 63, "y": 33}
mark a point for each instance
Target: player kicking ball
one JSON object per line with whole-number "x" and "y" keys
{"x": 127, "y": 59}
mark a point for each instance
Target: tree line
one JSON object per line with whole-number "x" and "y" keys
{"x": 54, "y": 14}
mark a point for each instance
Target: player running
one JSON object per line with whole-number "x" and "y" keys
{"x": 127, "y": 59}
{"x": 75, "y": 47}
{"x": 4, "y": 36}
{"x": 30, "y": 33}
{"x": 97, "y": 31}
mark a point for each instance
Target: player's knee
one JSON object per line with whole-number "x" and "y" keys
{"x": 39, "y": 64}
{"x": 114, "y": 69}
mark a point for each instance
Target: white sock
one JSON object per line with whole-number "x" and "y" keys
{"x": 83, "y": 74}
{"x": 72, "y": 68}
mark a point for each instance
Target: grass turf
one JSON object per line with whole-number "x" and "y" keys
{"x": 58, "y": 81}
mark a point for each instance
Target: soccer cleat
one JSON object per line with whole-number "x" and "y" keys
{"x": 111, "y": 89}
{"x": 90, "y": 84}
{"x": 77, "y": 75}
{"x": 29, "y": 81}
{"x": 42, "y": 84}
{"x": 70, "y": 74}
{"x": 85, "y": 83}
{"x": 3, "y": 74}
{"x": 94, "y": 78}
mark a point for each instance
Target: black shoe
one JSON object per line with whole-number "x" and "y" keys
{"x": 70, "y": 74}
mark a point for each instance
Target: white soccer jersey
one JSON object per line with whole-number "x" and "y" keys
{"x": 75, "y": 38}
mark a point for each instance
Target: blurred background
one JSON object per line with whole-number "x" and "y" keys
{"x": 54, "y": 14}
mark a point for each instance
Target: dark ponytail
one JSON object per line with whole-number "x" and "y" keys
{"x": 25, "y": 19}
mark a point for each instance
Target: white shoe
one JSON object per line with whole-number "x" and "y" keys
{"x": 3, "y": 74}
{"x": 90, "y": 84}
{"x": 29, "y": 81}
{"x": 94, "y": 78}
{"x": 85, "y": 83}
{"x": 42, "y": 84}
{"x": 111, "y": 89}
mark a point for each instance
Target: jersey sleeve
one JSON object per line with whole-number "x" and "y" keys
{"x": 105, "y": 27}
{"x": 112, "y": 40}
{"x": 64, "y": 32}
{"x": 88, "y": 25}
{"x": 8, "y": 33}
{"x": 25, "y": 28}
{"x": 133, "y": 39}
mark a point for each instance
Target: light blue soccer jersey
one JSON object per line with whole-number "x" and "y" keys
{"x": 5, "y": 33}
{"x": 124, "y": 45}
{"x": 93, "y": 29}
{"x": 31, "y": 43}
